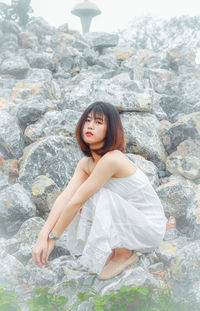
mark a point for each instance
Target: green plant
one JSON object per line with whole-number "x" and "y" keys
{"x": 44, "y": 300}
{"x": 131, "y": 298}
{"x": 18, "y": 11}
{"x": 8, "y": 300}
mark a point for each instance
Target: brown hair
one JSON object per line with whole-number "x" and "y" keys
{"x": 114, "y": 138}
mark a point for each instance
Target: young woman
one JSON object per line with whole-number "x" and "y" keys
{"x": 109, "y": 207}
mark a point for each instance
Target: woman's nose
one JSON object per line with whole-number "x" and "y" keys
{"x": 91, "y": 124}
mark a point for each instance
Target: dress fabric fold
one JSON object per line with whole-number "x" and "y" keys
{"x": 124, "y": 213}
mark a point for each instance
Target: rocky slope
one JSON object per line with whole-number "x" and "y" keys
{"x": 47, "y": 78}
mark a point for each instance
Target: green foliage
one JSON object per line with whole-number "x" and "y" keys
{"x": 19, "y": 11}
{"x": 128, "y": 298}
{"x": 131, "y": 298}
{"x": 8, "y": 300}
{"x": 43, "y": 300}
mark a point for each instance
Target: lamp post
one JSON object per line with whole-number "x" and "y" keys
{"x": 86, "y": 10}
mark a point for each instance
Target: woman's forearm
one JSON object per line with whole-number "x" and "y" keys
{"x": 66, "y": 217}
{"x": 54, "y": 215}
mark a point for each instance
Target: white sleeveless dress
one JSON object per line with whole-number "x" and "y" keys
{"x": 124, "y": 213}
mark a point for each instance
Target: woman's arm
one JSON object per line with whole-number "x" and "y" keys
{"x": 62, "y": 200}
{"x": 43, "y": 245}
{"x": 104, "y": 169}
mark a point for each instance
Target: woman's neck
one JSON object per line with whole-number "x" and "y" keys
{"x": 96, "y": 157}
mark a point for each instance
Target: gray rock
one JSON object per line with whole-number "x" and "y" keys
{"x": 30, "y": 112}
{"x": 10, "y": 269}
{"x": 53, "y": 123}
{"x": 8, "y": 26}
{"x": 173, "y": 197}
{"x": 39, "y": 75}
{"x": 99, "y": 40}
{"x": 193, "y": 215}
{"x": 44, "y": 194}
{"x": 185, "y": 128}
{"x": 16, "y": 207}
{"x": 168, "y": 250}
{"x": 28, "y": 40}
{"x": 181, "y": 56}
{"x": 24, "y": 253}
{"x": 8, "y": 43}
{"x": 29, "y": 230}
{"x": 185, "y": 265}
{"x": 3, "y": 181}
{"x": 39, "y": 159}
{"x": 108, "y": 61}
{"x": 142, "y": 137}
{"x": 26, "y": 89}
{"x": 41, "y": 277}
{"x": 179, "y": 96}
{"x": 185, "y": 160}
{"x": 134, "y": 275}
{"x": 40, "y": 27}
{"x": 18, "y": 67}
{"x": 147, "y": 167}
{"x": 90, "y": 90}
{"x": 11, "y": 137}
{"x": 41, "y": 61}
{"x": 90, "y": 56}
{"x": 171, "y": 234}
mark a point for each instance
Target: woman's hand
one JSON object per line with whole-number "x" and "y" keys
{"x": 42, "y": 250}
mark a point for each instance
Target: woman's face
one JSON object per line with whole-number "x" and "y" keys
{"x": 94, "y": 130}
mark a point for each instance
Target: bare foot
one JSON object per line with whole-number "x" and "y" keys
{"x": 110, "y": 257}
{"x": 121, "y": 256}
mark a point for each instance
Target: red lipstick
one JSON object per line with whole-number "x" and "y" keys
{"x": 89, "y": 133}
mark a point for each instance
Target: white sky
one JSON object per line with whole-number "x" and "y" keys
{"x": 115, "y": 13}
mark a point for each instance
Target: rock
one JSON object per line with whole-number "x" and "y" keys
{"x": 187, "y": 127}
{"x": 10, "y": 171}
{"x": 173, "y": 197}
{"x": 147, "y": 167}
{"x": 179, "y": 96}
{"x": 114, "y": 91}
{"x": 3, "y": 181}
{"x": 11, "y": 270}
{"x": 185, "y": 265}
{"x": 90, "y": 56}
{"x": 16, "y": 207}
{"x": 44, "y": 194}
{"x": 30, "y": 88}
{"x": 43, "y": 153}
{"x": 28, "y": 232}
{"x": 41, "y": 61}
{"x": 193, "y": 215}
{"x": 17, "y": 67}
{"x": 40, "y": 27}
{"x": 99, "y": 40}
{"x": 30, "y": 111}
{"x": 11, "y": 137}
{"x": 148, "y": 145}
{"x": 136, "y": 276}
{"x": 9, "y": 45}
{"x": 108, "y": 61}
{"x": 53, "y": 122}
{"x": 168, "y": 250}
{"x": 28, "y": 40}
{"x": 181, "y": 57}
{"x": 185, "y": 160}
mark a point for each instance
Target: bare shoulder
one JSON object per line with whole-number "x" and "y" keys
{"x": 123, "y": 166}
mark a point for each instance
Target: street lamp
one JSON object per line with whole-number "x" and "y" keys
{"x": 86, "y": 10}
